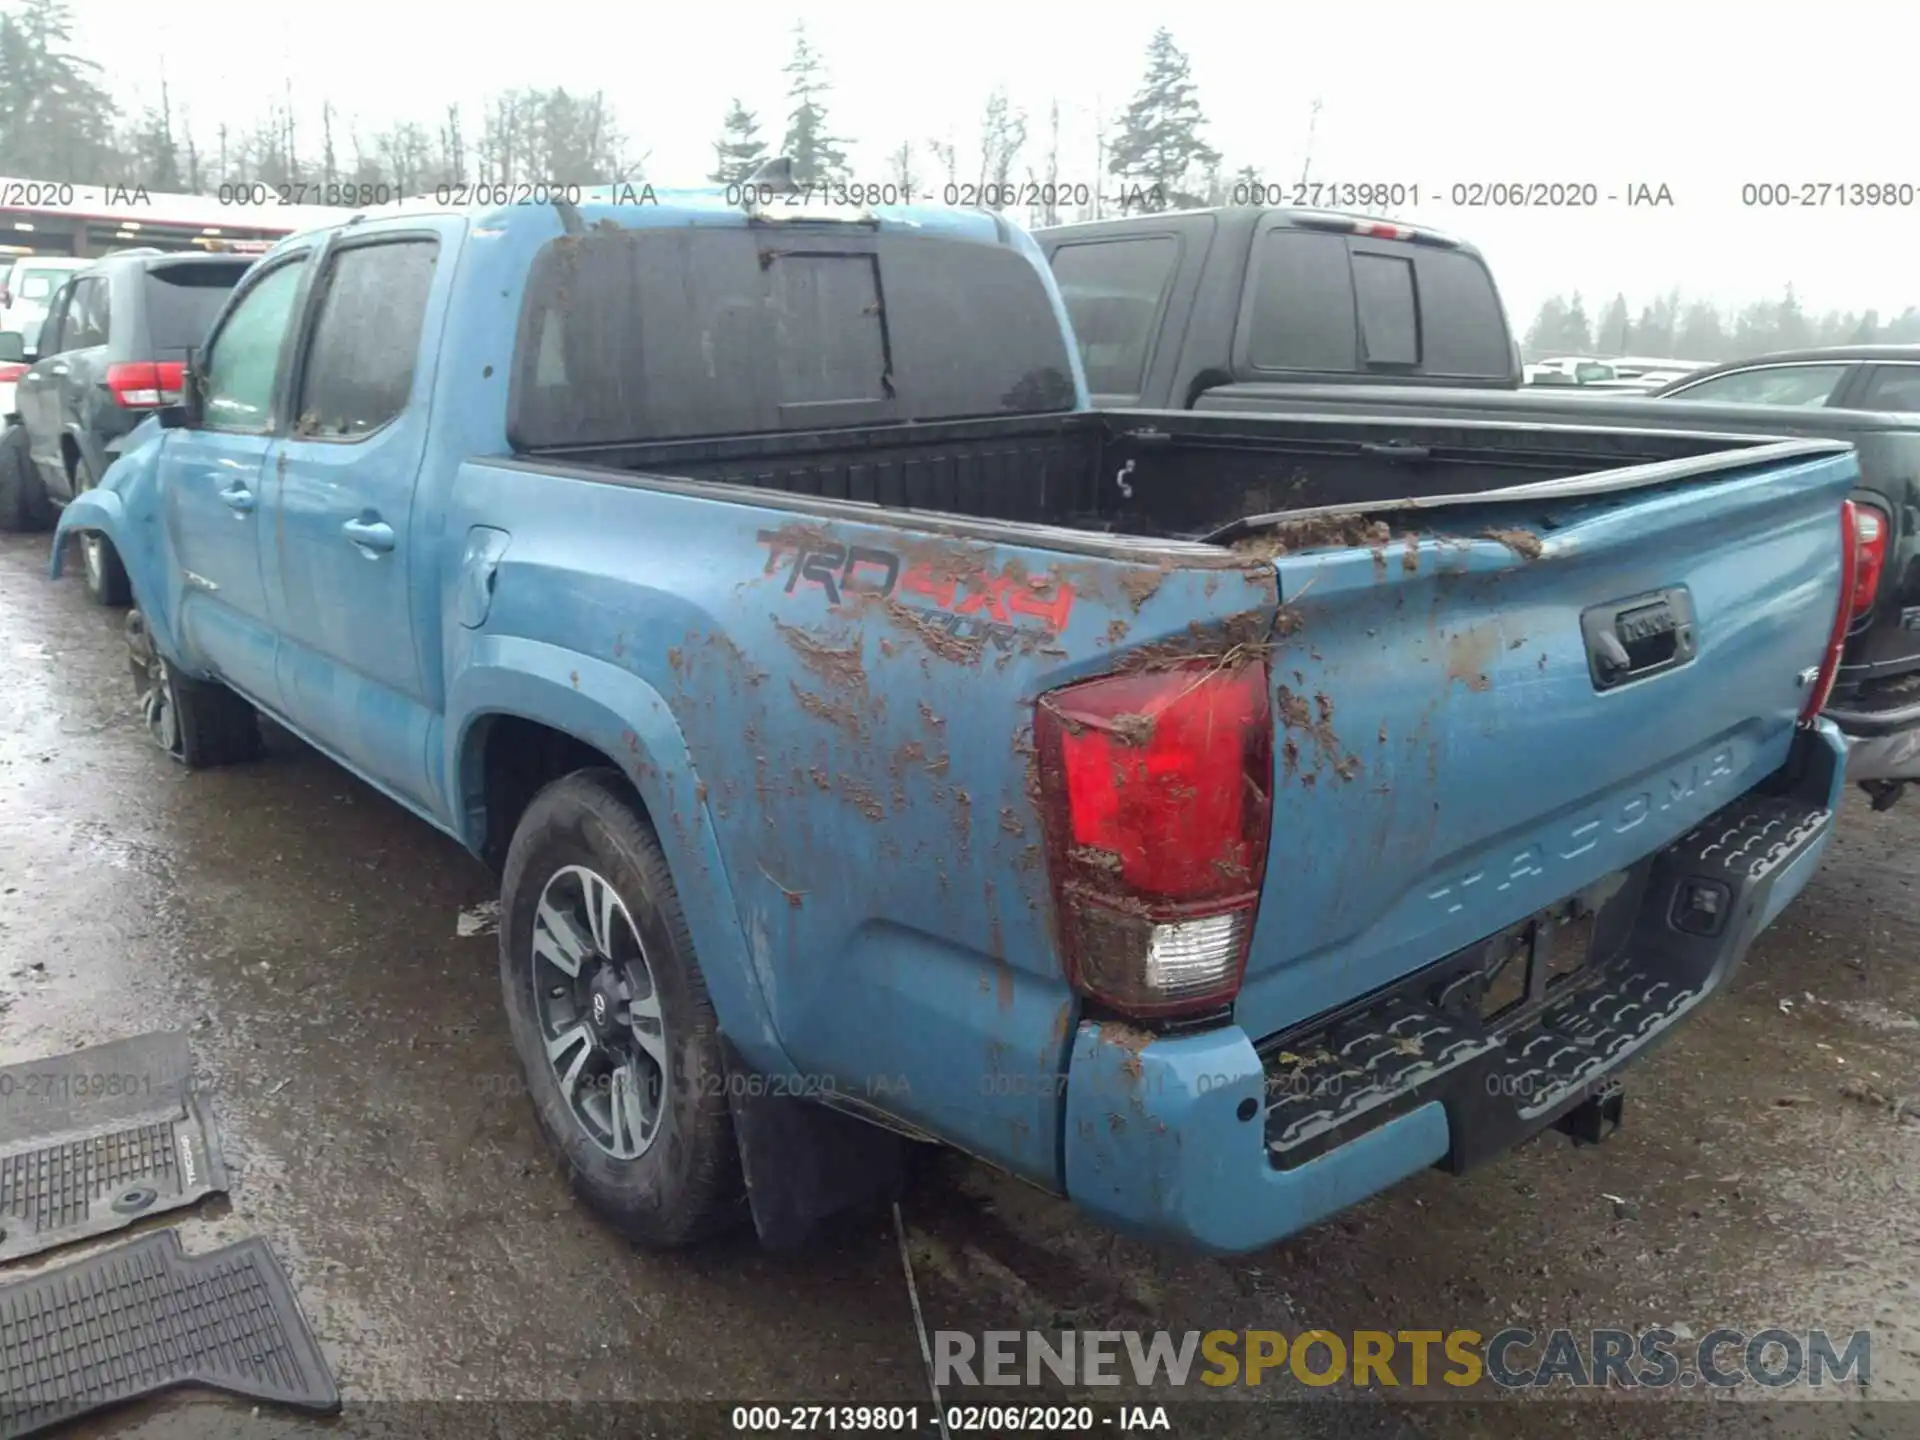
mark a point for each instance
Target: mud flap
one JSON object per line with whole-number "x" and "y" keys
{"x": 805, "y": 1164}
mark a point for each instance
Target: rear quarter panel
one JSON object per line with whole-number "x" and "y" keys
{"x": 854, "y": 699}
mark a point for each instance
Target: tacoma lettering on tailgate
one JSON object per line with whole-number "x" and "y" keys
{"x": 1576, "y": 839}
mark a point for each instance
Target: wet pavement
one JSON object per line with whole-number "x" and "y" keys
{"x": 304, "y": 930}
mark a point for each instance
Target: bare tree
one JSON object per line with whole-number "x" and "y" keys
{"x": 1003, "y": 130}
{"x": 1048, "y": 210}
{"x": 329, "y": 170}
{"x": 900, "y": 172}
{"x": 946, "y": 158}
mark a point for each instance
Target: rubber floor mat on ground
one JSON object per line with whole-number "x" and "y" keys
{"x": 144, "y": 1317}
{"x": 94, "y": 1140}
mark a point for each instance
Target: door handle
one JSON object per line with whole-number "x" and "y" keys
{"x": 375, "y": 535}
{"x": 238, "y": 498}
{"x": 57, "y": 369}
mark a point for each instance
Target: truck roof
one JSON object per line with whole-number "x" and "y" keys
{"x": 641, "y": 206}
{"x": 1306, "y": 218}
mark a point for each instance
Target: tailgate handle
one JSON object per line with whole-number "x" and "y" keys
{"x": 1637, "y": 637}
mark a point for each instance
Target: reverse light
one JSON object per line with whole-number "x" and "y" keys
{"x": 1870, "y": 562}
{"x": 1843, "y": 613}
{"x": 145, "y": 385}
{"x": 1156, "y": 792}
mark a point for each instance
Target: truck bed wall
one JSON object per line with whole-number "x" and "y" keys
{"x": 1152, "y": 474}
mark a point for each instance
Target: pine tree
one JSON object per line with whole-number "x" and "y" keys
{"x": 56, "y": 121}
{"x": 1158, "y": 151}
{"x": 817, "y": 155}
{"x": 1701, "y": 337}
{"x": 739, "y": 151}
{"x": 1576, "y": 336}
{"x": 1610, "y": 336}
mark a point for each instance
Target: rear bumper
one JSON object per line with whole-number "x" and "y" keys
{"x": 1894, "y": 756}
{"x": 1206, "y": 1139}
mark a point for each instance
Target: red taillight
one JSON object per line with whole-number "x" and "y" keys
{"x": 1870, "y": 561}
{"x": 1157, "y": 796}
{"x": 1842, "y": 615}
{"x": 11, "y": 372}
{"x": 143, "y": 385}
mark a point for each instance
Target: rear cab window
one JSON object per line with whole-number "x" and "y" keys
{"x": 1115, "y": 293}
{"x": 628, "y": 335}
{"x": 1324, "y": 302}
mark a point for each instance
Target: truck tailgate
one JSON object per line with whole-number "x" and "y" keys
{"x": 1454, "y": 753}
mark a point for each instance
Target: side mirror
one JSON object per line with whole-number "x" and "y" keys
{"x": 13, "y": 347}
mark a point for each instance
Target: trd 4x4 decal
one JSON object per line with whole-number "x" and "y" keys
{"x": 1008, "y": 610}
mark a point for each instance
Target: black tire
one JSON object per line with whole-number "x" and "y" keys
{"x": 106, "y": 577}
{"x": 684, "y": 1184}
{"x": 23, "y": 497}
{"x": 198, "y": 722}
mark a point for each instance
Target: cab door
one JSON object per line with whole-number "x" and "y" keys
{"x": 211, "y": 476}
{"x": 37, "y": 398}
{"x": 342, "y": 561}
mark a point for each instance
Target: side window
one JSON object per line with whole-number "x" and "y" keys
{"x": 86, "y": 322}
{"x": 1769, "y": 385}
{"x": 1113, "y": 291}
{"x": 1891, "y": 387}
{"x": 1383, "y": 291}
{"x": 54, "y": 325}
{"x": 360, "y": 360}
{"x": 1587, "y": 373}
{"x": 244, "y": 358}
{"x": 1302, "y": 311}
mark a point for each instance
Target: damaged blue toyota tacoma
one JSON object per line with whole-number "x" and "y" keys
{"x": 1209, "y": 818}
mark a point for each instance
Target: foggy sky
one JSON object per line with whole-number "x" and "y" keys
{"x": 1696, "y": 94}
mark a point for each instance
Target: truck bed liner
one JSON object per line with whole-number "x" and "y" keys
{"x": 1156, "y": 474}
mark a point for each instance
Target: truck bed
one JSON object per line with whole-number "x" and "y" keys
{"x": 1162, "y": 475}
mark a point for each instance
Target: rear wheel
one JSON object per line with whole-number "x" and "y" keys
{"x": 106, "y": 576}
{"x": 609, "y": 1013}
{"x": 197, "y": 722}
{"x": 23, "y": 498}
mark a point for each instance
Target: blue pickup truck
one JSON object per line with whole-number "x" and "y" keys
{"x": 1209, "y": 818}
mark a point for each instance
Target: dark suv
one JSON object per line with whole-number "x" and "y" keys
{"x": 112, "y": 351}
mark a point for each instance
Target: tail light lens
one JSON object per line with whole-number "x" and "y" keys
{"x": 11, "y": 372}
{"x": 1870, "y": 562}
{"x": 1843, "y": 614}
{"x": 1156, "y": 791}
{"x": 145, "y": 385}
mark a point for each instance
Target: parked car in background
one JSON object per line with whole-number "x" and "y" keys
{"x": 1843, "y": 377}
{"x": 30, "y": 290}
{"x": 115, "y": 344}
{"x": 1611, "y": 374}
{"x": 1036, "y": 698}
{"x": 1166, "y": 307}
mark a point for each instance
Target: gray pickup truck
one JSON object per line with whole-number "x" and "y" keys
{"x": 1311, "y": 314}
